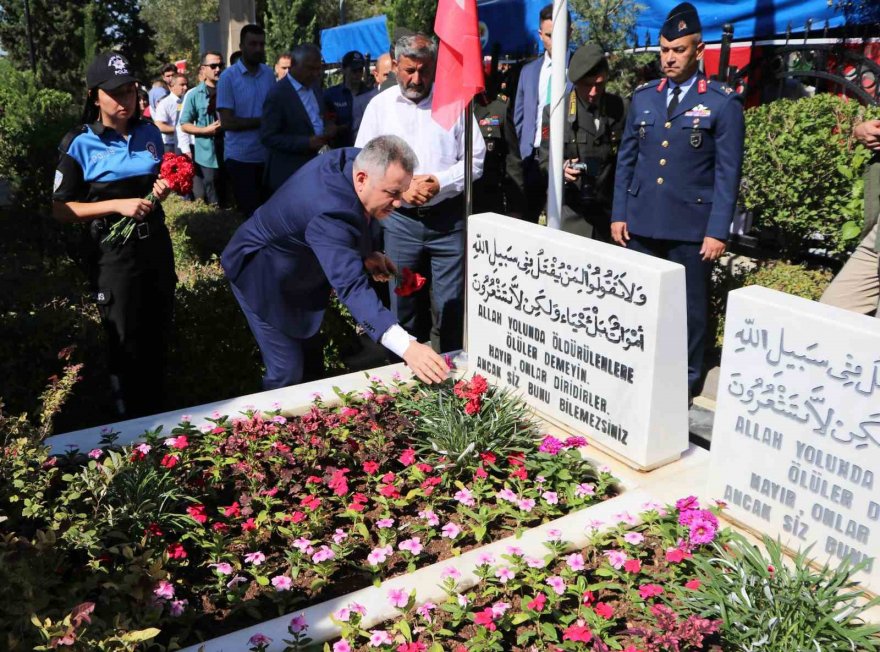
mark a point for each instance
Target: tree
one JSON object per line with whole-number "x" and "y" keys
{"x": 175, "y": 25}
{"x": 289, "y": 22}
{"x": 417, "y": 15}
{"x": 121, "y": 27}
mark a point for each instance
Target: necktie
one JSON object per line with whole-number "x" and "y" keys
{"x": 673, "y": 103}
{"x": 549, "y": 80}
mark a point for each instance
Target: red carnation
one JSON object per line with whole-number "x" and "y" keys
{"x": 407, "y": 457}
{"x": 371, "y": 467}
{"x": 409, "y": 282}
{"x": 538, "y": 603}
{"x": 486, "y": 617}
{"x": 197, "y": 513}
{"x": 176, "y": 551}
{"x": 178, "y": 171}
{"x": 577, "y": 632}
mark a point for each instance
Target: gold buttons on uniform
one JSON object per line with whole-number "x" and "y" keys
{"x": 660, "y": 181}
{"x": 668, "y": 125}
{"x": 665, "y": 143}
{"x": 662, "y": 161}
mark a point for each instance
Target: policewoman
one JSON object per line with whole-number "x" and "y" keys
{"x": 107, "y": 166}
{"x": 678, "y": 170}
{"x": 594, "y": 121}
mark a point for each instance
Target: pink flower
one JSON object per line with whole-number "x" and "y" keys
{"x": 617, "y": 558}
{"x": 450, "y": 572}
{"x": 398, "y": 598}
{"x": 341, "y": 646}
{"x": 255, "y": 558}
{"x": 164, "y": 589}
{"x": 95, "y": 453}
{"x": 197, "y": 513}
{"x": 675, "y": 555}
{"x": 176, "y": 551}
{"x": 632, "y": 566}
{"x": 554, "y": 534}
{"x": 465, "y": 497}
{"x": 508, "y": 495}
{"x": 584, "y": 489}
{"x": 550, "y": 445}
{"x": 514, "y": 551}
{"x": 486, "y": 618}
{"x": 526, "y": 504}
{"x": 302, "y": 544}
{"x": 407, "y": 457}
{"x": 450, "y": 530}
{"x": 371, "y": 467}
{"x": 298, "y": 624}
{"x": 379, "y": 555}
{"x": 626, "y": 517}
{"x": 282, "y": 583}
{"x": 604, "y": 610}
{"x": 578, "y": 632}
{"x": 504, "y": 574}
{"x": 379, "y": 637}
{"x": 500, "y": 608}
{"x": 222, "y": 568}
{"x": 430, "y": 517}
{"x": 650, "y": 591}
{"x": 537, "y": 604}
{"x": 634, "y": 538}
{"x": 551, "y": 497}
{"x": 339, "y": 536}
{"x": 702, "y": 531}
{"x": 535, "y": 562}
{"x": 693, "y": 584}
{"x": 383, "y": 523}
{"x": 689, "y": 502}
{"x": 343, "y": 614}
{"x": 485, "y": 559}
{"x": 413, "y": 546}
{"x": 143, "y": 449}
{"x": 324, "y": 554}
{"x": 259, "y": 639}
{"x": 557, "y": 584}
{"x": 177, "y": 607}
{"x": 425, "y": 610}
{"x": 575, "y": 561}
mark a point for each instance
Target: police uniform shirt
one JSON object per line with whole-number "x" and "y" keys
{"x": 97, "y": 163}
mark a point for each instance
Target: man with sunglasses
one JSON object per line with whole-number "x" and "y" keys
{"x": 199, "y": 118}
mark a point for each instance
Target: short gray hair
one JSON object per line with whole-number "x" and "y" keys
{"x": 382, "y": 151}
{"x": 303, "y": 51}
{"x": 415, "y": 46}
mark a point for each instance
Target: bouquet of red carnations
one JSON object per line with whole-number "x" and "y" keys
{"x": 409, "y": 282}
{"x": 178, "y": 171}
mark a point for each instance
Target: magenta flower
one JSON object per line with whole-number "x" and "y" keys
{"x": 339, "y": 536}
{"x": 526, "y": 504}
{"x": 557, "y": 584}
{"x": 379, "y": 637}
{"x": 282, "y": 583}
{"x": 413, "y": 546}
{"x": 504, "y": 574}
{"x": 617, "y": 558}
{"x": 635, "y": 538}
{"x": 177, "y": 607}
{"x": 379, "y": 555}
{"x": 255, "y": 558}
{"x": 702, "y": 531}
{"x": 500, "y": 608}
{"x": 450, "y": 530}
{"x": 508, "y": 495}
{"x": 383, "y": 523}
{"x": 584, "y": 489}
{"x": 551, "y": 445}
{"x": 575, "y": 562}
{"x": 430, "y": 517}
{"x": 222, "y": 568}
{"x": 398, "y": 598}
{"x": 95, "y": 453}
{"x": 259, "y": 639}
{"x": 164, "y": 590}
{"x": 650, "y": 590}
{"x": 485, "y": 559}
{"x": 341, "y": 646}
{"x": 298, "y": 624}
{"x": 687, "y": 503}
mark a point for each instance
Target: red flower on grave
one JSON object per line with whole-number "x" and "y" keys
{"x": 577, "y": 632}
{"x": 371, "y": 467}
{"x": 632, "y": 566}
{"x": 693, "y": 584}
{"x": 409, "y": 282}
{"x": 176, "y": 551}
{"x": 604, "y": 610}
{"x": 232, "y": 511}
{"x": 249, "y": 525}
{"x": 169, "y": 461}
{"x": 153, "y": 530}
{"x": 538, "y": 602}
{"x": 488, "y": 457}
{"x": 407, "y": 457}
{"x": 486, "y": 618}
{"x": 197, "y": 513}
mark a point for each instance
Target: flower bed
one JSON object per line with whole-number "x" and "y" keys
{"x": 235, "y": 520}
{"x": 674, "y": 583}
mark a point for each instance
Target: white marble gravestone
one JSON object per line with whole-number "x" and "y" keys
{"x": 592, "y": 334}
{"x": 796, "y": 442}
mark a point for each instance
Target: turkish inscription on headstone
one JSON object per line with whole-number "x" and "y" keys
{"x": 796, "y": 441}
{"x": 593, "y": 335}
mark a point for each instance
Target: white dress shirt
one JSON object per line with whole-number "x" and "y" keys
{"x": 685, "y": 87}
{"x": 440, "y": 152}
{"x": 168, "y": 112}
{"x": 310, "y": 103}
{"x": 543, "y": 85}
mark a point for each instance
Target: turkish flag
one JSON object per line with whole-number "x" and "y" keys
{"x": 459, "y": 60}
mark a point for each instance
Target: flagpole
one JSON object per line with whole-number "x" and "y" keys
{"x": 468, "y": 204}
{"x": 557, "y": 111}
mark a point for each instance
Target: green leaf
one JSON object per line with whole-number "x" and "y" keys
{"x": 549, "y": 631}
{"x": 850, "y": 231}
{"x": 141, "y": 635}
{"x": 404, "y": 628}
{"x": 479, "y": 532}
{"x": 520, "y": 618}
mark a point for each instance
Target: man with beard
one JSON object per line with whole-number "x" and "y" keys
{"x": 426, "y": 233}
{"x": 314, "y": 235}
{"x": 241, "y": 91}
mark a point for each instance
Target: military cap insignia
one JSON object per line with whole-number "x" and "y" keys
{"x": 682, "y": 26}
{"x": 728, "y": 90}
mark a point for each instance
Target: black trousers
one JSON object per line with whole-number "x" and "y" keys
{"x": 247, "y": 184}
{"x": 205, "y": 183}
{"x": 535, "y": 186}
{"x": 133, "y": 285}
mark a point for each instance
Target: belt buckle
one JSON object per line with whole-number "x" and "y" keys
{"x": 142, "y": 230}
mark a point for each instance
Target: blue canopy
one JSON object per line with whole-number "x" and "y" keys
{"x": 513, "y": 24}
{"x": 369, "y": 36}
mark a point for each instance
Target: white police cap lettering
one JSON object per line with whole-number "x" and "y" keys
{"x": 119, "y": 65}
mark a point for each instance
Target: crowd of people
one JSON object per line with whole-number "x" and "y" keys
{"x": 342, "y": 188}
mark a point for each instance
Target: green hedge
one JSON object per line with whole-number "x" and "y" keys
{"x": 802, "y": 172}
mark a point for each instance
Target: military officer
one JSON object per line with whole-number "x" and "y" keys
{"x": 678, "y": 169}
{"x": 594, "y": 123}
{"x": 489, "y": 190}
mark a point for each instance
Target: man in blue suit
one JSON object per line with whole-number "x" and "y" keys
{"x": 678, "y": 170}
{"x": 532, "y": 95}
{"x": 312, "y": 236}
{"x": 293, "y": 129}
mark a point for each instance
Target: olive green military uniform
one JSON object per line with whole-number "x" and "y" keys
{"x": 591, "y": 135}
{"x": 489, "y": 189}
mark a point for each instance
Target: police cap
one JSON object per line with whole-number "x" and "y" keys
{"x": 585, "y": 60}
{"x": 108, "y": 70}
{"x": 681, "y": 21}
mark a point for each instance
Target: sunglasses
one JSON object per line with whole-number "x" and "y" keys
{"x": 213, "y": 66}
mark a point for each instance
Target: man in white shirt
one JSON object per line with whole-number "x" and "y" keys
{"x": 426, "y": 234}
{"x": 167, "y": 115}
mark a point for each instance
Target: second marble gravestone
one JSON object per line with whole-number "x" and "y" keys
{"x": 593, "y": 335}
{"x": 796, "y": 441}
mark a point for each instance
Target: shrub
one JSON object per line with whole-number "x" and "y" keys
{"x": 798, "y": 280}
{"x": 802, "y": 170}
{"x": 32, "y": 122}
{"x": 764, "y": 603}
